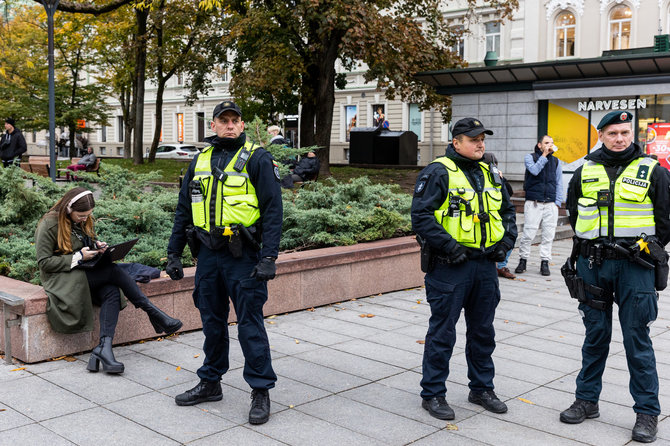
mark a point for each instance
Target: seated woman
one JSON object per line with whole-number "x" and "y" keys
{"x": 84, "y": 163}
{"x": 307, "y": 169}
{"x": 64, "y": 238}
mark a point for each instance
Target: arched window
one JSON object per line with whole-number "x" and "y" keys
{"x": 619, "y": 27}
{"x": 565, "y": 34}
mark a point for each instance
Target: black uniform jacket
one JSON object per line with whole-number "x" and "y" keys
{"x": 12, "y": 145}
{"x": 265, "y": 180}
{"x": 659, "y": 191}
{"x": 431, "y": 191}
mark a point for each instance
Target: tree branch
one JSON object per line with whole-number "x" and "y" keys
{"x": 69, "y": 6}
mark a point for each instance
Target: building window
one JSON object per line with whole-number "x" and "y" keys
{"x": 180, "y": 79}
{"x": 459, "y": 47}
{"x": 103, "y": 133}
{"x": 103, "y": 151}
{"x": 119, "y": 128}
{"x": 200, "y": 119}
{"x": 351, "y": 118}
{"x": 119, "y": 151}
{"x": 34, "y": 136}
{"x": 493, "y": 37}
{"x": 619, "y": 27}
{"x": 415, "y": 120}
{"x": 223, "y": 70}
{"x": 565, "y": 34}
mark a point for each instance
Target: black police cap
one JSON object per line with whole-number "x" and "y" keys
{"x": 226, "y": 106}
{"x": 615, "y": 117}
{"x": 470, "y": 127}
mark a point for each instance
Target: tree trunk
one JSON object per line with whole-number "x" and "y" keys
{"x": 140, "y": 75}
{"x": 73, "y": 146}
{"x": 159, "y": 118}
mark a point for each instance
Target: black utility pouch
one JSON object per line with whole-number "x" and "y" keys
{"x": 235, "y": 245}
{"x": 661, "y": 274}
{"x": 574, "y": 283}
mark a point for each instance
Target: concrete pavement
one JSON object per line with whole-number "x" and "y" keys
{"x": 344, "y": 379}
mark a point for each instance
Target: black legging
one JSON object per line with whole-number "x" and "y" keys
{"x": 104, "y": 282}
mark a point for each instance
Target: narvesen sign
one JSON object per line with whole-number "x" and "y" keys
{"x": 612, "y": 104}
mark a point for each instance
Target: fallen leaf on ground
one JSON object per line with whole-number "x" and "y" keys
{"x": 452, "y": 427}
{"x": 271, "y": 322}
{"x": 506, "y": 321}
{"x": 361, "y": 315}
{"x": 521, "y": 280}
{"x": 195, "y": 356}
{"x": 353, "y": 299}
{"x": 291, "y": 406}
{"x": 178, "y": 368}
{"x": 369, "y": 315}
{"x": 296, "y": 341}
{"x": 418, "y": 301}
{"x": 415, "y": 306}
{"x": 272, "y": 317}
{"x": 57, "y": 359}
{"x": 524, "y": 400}
{"x": 70, "y": 359}
{"x": 311, "y": 309}
{"x": 16, "y": 370}
{"x": 2, "y": 410}
{"x": 420, "y": 341}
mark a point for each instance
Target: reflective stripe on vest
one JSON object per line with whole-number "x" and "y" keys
{"x": 235, "y": 199}
{"x": 633, "y": 211}
{"x": 463, "y": 227}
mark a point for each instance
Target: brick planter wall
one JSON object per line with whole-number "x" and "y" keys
{"x": 304, "y": 279}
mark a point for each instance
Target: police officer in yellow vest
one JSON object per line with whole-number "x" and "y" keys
{"x": 230, "y": 213}
{"x": 619, "y": 205}
{"x": 465, "y": 222}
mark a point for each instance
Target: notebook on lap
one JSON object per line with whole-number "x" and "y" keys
{"x": 112, "y": 254}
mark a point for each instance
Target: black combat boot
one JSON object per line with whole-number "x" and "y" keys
{"x": 544, "y": 268}
{"x": 103, "y": 353}
{"x": 521, "y": 267}
{"x": 579, "y": 411}
{"x": 260, "y": 406}
{"x": 645, "y": 428}
{"x": 488, "y": 400}
{"x": 439, "y": 408}
{"x": 204, "y": 391}
{"x": 161, "y": 322}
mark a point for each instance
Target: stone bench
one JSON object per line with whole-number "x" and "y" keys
{"x": 305, "y": 279}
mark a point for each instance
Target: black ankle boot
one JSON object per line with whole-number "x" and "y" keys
{"x": 521, "y": 267}
{"x": 103, "y": 353}
{"x": 161, "y": 322}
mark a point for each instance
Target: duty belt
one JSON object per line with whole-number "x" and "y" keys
{"x": 600, "y": 252}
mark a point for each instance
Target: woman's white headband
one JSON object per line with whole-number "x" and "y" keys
{"x": 76, "y": 197}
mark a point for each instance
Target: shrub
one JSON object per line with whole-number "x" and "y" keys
{"x": 326, "y": 213}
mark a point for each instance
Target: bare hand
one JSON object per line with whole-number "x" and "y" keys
{"x": 88, "y": 253}
{"x": 102, "y": 246}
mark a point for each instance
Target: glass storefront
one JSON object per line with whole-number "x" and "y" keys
{"x": 572, "y": 124}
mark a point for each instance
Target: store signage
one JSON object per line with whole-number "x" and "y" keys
{"x": 658, "y": 142}
{"x": 612, "y": 104}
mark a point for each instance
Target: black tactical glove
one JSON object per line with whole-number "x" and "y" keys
{"x": 174, "y": 269}
{"x": 499, "y": 252}
{"x": 458, "y": 254}
{"x": 265, "y": 269}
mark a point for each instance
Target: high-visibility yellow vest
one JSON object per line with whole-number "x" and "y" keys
{"x": 633, "y": 211}
{"x": 464, "y": 224}
{"x": 234, "y": 199}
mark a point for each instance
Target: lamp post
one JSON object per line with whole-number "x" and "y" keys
{"x": 50, "y": 6}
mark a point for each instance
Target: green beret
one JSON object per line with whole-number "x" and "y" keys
{"x": 615, "y": 117}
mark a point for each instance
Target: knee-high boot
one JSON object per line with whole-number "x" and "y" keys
{"x": 161, "y": 322}
{"x": 103, "y": 353}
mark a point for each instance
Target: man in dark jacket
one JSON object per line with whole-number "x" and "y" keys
{"x": 465, "y": 219}
{"x": 614, "y": 199}
{"x": 12, "y": 144}
{"x": 543, "y": 184}
{"x": 229, "y": 201}
{"x": 307, "y": 169}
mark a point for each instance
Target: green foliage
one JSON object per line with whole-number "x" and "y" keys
{"x": 326, "y": 213}
{"x": 330, "y": 213}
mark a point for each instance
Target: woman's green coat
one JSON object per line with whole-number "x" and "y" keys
{"x": 69, "y": 306}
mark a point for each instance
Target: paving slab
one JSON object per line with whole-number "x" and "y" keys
{"x": 33, "y": 434}
{"x": 350, "y": 363}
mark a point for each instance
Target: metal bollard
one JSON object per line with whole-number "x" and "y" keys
{"x": 10, "y": 304}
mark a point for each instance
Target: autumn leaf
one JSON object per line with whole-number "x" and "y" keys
{"x": 452, "y": 427}
{"x": 296, "y": 341}
{"x": 195, "y": 356}
{"x": 16, "y": 370}
{"x": 271, "y": 322}
{"x": 272, "y": 317}
{"x": 369, "y": 315}
{"x": 311, "y": 309}
{"x": 524, "y": 400}
{"x": 362, "y": 315}
{"x": 178, "y": 368}
{"x": 70, "y": 359}
{"x": 420, "y": 341}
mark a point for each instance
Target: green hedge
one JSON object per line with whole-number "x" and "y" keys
{"x": 320, "y": 214}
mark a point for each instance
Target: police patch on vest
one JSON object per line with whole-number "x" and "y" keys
{"x": 642, "y": 171}
{"x": 635, "y": 182}
{"x": 590, "y": 180}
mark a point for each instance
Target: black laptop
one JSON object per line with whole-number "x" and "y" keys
{"x": 112, "y": 254}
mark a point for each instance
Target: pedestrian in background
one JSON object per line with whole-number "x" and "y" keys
{"x": 465, "y": 222}
{"x": 12, "y": 144}
{"x": 543, "y": 184}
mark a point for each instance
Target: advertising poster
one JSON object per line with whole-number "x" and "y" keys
{"x": 350, "y": 112}
{"x": 378, "y": 115}
{"x": 180, "y": 127}
{"x": 658, "y": 142}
